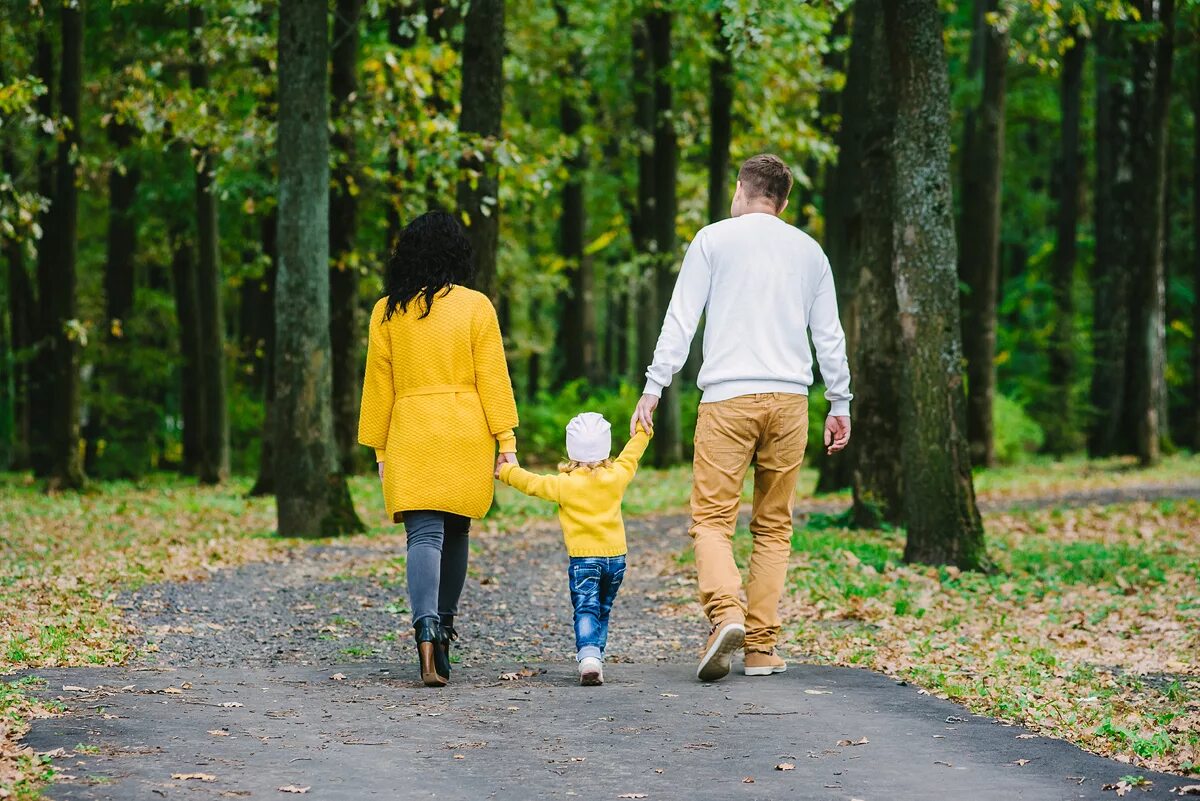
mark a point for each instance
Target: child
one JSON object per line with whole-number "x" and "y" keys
{"x": 588, "y": 490}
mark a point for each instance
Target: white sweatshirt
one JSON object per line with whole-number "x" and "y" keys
{"x": 764, "y": 284}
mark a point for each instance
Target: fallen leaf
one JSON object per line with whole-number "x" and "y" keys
{"x": 860, "y": 741}
{"x": 172, "y": 691}
{"x": 785, "y": 766}
{"x": 818, "y": 692}
{"x": 509, "y": 676}
{"x": 1122, "y": 787}
{"x": 187, "y": 685}
{"x": 218, "y": 732}
{"x": 658, "y": 770}
{"x": 459, "y": 756}
{"x": 1026, "y": 736}
{"x": 338, "y": 677}
{"x": 231, "y": 704}
{"x": 57, "y": 752}
{"x": 71, "y": 688}
{"x": 1187, "y": 789}
{"x": 748, "y": 780}
{"x": 940, "y": 762}
{"x": 200, "y": 777}
{"x": 291, "y": 788}
{"x": 669, "y": 695}
{"x": 1021, "y": 762}
{"x": 632, "y": 795}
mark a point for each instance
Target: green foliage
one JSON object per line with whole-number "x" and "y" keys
{"x": 1018, "y": 437}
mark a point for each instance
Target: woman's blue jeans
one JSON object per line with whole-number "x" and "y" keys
{"x": 594, "y": 584}
{"x": 437, "y": 562}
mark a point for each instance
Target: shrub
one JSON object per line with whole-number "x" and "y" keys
{"x": 1018, "y": 437}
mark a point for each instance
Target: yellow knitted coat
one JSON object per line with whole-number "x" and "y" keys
{"x": 436, "y": 400}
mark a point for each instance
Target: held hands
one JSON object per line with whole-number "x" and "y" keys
{"x": 837, "y": 433}
{"x": 503, "y": 459}
{"x": 644, "y": 414}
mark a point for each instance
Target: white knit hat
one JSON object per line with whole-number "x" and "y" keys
{"x": 589, "y": 438}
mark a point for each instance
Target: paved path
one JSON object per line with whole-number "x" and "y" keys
{"x": 250, "y": 658}
{"x": 652, "y": 731}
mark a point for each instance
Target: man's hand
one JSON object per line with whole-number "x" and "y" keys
{"x": 503, "y": 459}
{"x": 644, "y": 414}
{"x": 837, "y": 433}
{"x": 381, "y": 471}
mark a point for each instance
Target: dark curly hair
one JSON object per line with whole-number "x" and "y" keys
{"x": 432, "y": 253}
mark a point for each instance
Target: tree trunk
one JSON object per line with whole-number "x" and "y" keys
{"x": 720, "y": 100}
{"x": 979, "y": 265}
{"x": 39, "y": 386}
{"x": 482, "y": 107}
{"x": 577, "y": 307}
{"x": 213, "y": 466}
{"x": 397, "y": 38}
{"x": 312, "y": 497}
{"x": 943, "y": 520}
{"x": 844, "y": 190}
{"x": 344, "y": 330}
{"x": 57, "y": 279}
{"x": 877, "y": 474}
{"x": 264, "y": 484}
{"x": 187, "y": 312}
{"x": 21, "y": 317}
{"x": 668, "y": 436}
{"x": 1061, "y": 436}
{"x": 642, "y": 220}
{"x": 1195, "y": 421}
{"x": 1108, "y": 432}
{"x": 1145, "y": 371}
{"x": 128, "y": 437}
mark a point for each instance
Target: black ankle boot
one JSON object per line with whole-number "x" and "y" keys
{"x": 434, "y": 664}
{"x": 451, "y": 634}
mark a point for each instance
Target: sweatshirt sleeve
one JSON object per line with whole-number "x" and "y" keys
{"x": 631, "y": 454}
{"x": 492, "y": 380}
{"x": 830, "y": 342}
{"x": 683, "y": 316}
{"x": 378, "y": 393}
{"x": 544, "y": 487}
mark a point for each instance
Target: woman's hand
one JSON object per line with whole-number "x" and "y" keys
{"x": 503, "y": 459}
{"x": 381, "y": 471}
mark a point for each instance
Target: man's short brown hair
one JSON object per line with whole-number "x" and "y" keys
{"x": 766, "y": 175}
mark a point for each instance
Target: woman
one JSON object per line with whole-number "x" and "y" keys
{"x": 437, "y": 405}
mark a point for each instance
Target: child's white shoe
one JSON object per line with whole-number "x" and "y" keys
{"x": 591, "y": 672}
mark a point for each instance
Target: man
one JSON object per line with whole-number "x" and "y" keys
{"x": 765, "y": 286}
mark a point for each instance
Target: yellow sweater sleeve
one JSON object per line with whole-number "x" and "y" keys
{"x": 631, "y": 454}
{"x": 544, "y": 487}
{"x": 379, "y": 392}
{"x": 492, "y": 380}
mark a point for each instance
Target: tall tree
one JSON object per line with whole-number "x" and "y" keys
{"x": 482, "y": 106}
{"x": 213, "y": 466}
{"x": 1195, "y": 421}
{"x": 39, "y": 386}
{"x": 943, "y": 521}
{"x": 642, "y": 217}
{"x": 720, "y": 123}
{"x": 668, "y": 439}
{"x": 312, "y": 496}
{"x": 1145, "y": 374}
{"x": 876, "y": 469}
{"x": 187, "y": 313}
{"x": 720, "y": 126}
{"x": 21, "y": 319}
{"x": 264, "y": 302}
{"x": 1108, "y": 432}
{"x": 577, "y": 306}
{"x": 399, "y": 36}
{"x": 57, "y": 279}
{"x": 1061, "y": 436}
{"x": 344, "y": 273}
{"x": 979, "y": 232}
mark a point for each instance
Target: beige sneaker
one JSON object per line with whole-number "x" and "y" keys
{"x": 763, "y": 664}
{"x": 724, "y": 640}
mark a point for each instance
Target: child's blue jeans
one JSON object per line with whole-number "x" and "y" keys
{"x": 594, "y": 584}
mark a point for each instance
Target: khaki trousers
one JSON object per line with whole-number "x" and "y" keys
{"x": 772, "y": 431}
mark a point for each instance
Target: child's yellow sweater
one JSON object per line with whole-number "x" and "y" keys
{"x": 589, "y": 500}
